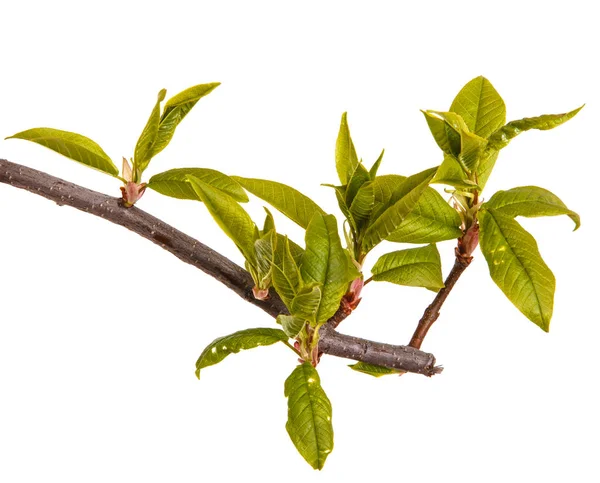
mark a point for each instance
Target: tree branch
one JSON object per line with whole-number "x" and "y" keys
{"x": 191, "y": 251}
{"x": 466, "y": 245}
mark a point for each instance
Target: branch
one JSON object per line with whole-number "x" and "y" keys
{"x": 466, "y": 245}
{"x": 190, "y": 250}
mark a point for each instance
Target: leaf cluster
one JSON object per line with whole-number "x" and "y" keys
{"x": 325, "y": 276}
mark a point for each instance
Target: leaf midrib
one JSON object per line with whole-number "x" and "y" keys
{"x": 535, "y": 291}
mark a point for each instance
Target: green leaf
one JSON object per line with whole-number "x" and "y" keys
{"x": 309, "y": 415}
{"x": 471, "y": 150}
{"x": 451, "y": 173}
{"x": 363, "y": 204}
{"x": 431, "y": 220}
{"x": 289, "y": 201}
{"x": 220, "y": 348}
{"x": 145, "y": 145}
{"x": 530, "y": 201}
{"x": 73, "y": 146}
{"x": 358, "y": 178}
{"x": 325, "y": 262}
{"x": 446, "y": 128}
{"x": 404, "y": 200}
{"x": 346, "y": 160}
{"x": 264, "y": 250}
{"x": 500, "y": 138}
{"x": 516, "y": 266}
{"x": 415, "y": 267}
{"x": 486, "y": 165}
{"x": 174, "y": 183}
{"x": 373, "y": 370}
{"x": 175, "y": 110}
{"x": 340, "y": 195}
{"x": 375, "y": 167}
{"x": 269, "y": 223}
{"x": 306, "y": 304}
{"x": 229, "y": 215}
{"x": 286, "y": 275}
{"x": 481, "y": 107}
{"x": 291, "y": 325}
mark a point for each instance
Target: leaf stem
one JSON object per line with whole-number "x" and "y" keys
{"x": 291, "y": 347}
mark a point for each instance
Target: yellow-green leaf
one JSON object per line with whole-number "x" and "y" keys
{"x": 346, "y": 160}
{"x": 291, "y": 325}
{"x": 72, "y": 145}
{"x": 446, "y": 128}
{"x": 503, "y": 136}
{"x": 144, "y": 147}
{"x": 306, "y": 304}
{"x": 402, "y": 202}
{"x": 230, "y": 216}
{"x": 289, "y": 201}
{"x": 516, "y": 266}
{"x": 530, "y": 201}
{"x": 174, "y": 183}
{"x": 373, "y": 370}
{"x": 175, "y": 110}
{"x": 286, "y": 274}
{"x": 431, "y": 220}
{"x": 471, "y": 150}
{"x": 451, "y": 173}
{"x": 481, "y": 107}
{"x": 415, "y": 267}
{"x": 309, "y": 415}
{"x": 220, "y": 348}
{"x": 325, "y": 263}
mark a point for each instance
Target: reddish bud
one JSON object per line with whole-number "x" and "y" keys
{"x": 260, "y": 293}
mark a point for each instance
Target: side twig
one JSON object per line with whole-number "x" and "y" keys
{"x": 466, "y": 246}
{"x": 209, "y": 261}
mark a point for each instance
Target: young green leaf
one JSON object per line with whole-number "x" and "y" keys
{"x": 415, "y": 267}
{"x": 357, "y": 179}
{"x": 516, "y": 266}
{"x": 325, "y": 263}
{"x": 229, "y": 215}
{"x": 375, "y": 167}
{"x": 450, "y": 172}
{"x": 346, "y": 160}
{"x": 373, "y": 370}
{"x": 486, "y": 165}
{"x": 446, "y": 128}
{"x": 269, "y": 223}
{"x": 363, "y": 204}
{"x": 471, "y": 150}
{"x": 220, "y": 348}
{"x": 530, "y": 201}
{"x": 340, "y": 195}
{"x": 286, "y": 274}
{"x": 309, "y": 415}
{"x": 174, "y": 183}
{"x": 306, "y": 304}
{"x": 264, "y": 248}
{"x": 500, "y": 138}
{"x": 175, "y": 110}
{"x": 481, "y": 107}
{"x": 431, "y": 220}
{"x": 407, "y": 197}
{"x": 145, "y": 144}
{"x": 72, "y": 145}
{"x": 289, "y": 201}
{"x": 291, "y": 325}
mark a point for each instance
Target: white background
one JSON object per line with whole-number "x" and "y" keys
{"x": 100, "y": 329}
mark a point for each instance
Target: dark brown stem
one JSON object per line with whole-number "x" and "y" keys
{"x": 209, "y": 261}
{"x": 466, "y": 246}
